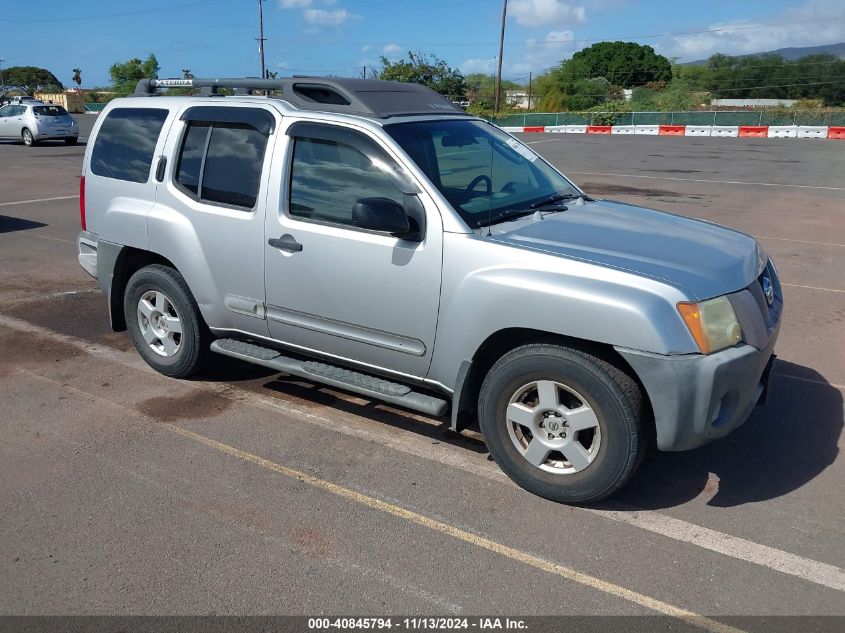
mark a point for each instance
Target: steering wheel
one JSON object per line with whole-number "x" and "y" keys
{"x": 482, "y": 178}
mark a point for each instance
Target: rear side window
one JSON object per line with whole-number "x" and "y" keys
{"x": 49, "y": 110}
{"x": 126, "y": 142}
{"x": 221, "y": 162}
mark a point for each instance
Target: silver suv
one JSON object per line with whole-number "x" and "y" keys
{"x": 374, "y": 237}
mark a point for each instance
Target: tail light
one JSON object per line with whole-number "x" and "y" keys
{"x": 82, "y": 202}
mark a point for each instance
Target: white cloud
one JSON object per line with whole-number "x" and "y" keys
{"x": 546, "y": 12}
{"x": 537, "y": 57}
{"x": 486, "y": 66}
{"x": 321, "y": 17}
{"x": 294, "y": 4}
{"x": 366, "y": 47}
{"x": 392, "y": 51}
{"x": 805, "y": 25}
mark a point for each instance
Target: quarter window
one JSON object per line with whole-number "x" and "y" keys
{"x": 328, "y": 177}
{"x": 221, "y": 162}
{"x": 126, "y": 142}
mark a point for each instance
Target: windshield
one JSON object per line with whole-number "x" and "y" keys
{"x": 479, "y": 169}
{"x": 49, "y": 110}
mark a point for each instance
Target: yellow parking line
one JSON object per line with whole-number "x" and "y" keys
{"x": 450, "y": 530}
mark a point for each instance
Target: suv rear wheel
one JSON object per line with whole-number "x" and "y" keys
{"x": 164, "y": 321}
{"x": 561, "y": 423}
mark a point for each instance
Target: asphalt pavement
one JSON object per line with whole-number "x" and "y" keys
{"x": 246, "y": 492}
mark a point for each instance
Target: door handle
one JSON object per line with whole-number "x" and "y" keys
{"x": 286, "y": 243}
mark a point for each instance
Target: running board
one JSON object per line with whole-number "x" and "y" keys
{"x": 356, "y": 382}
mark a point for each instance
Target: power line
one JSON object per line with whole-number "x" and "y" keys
{"x": 122, "y": 14}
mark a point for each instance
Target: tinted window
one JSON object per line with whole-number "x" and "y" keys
{"x": 328, "y": 177}
{"x": 6, "y": 110}
{"x": 49, "y": 110}
{"x": 126, "y": 142}
{"x": 190, "y": 158}
{"x": 233, "y": 164}
{"x": 230, "y": 168}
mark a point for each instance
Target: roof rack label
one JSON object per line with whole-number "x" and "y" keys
{"x": 172, "y": 83}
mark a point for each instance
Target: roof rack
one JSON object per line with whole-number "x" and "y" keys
{"x": 368, "y": 97}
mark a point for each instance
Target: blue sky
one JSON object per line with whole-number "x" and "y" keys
{"x": 216, "y": 37}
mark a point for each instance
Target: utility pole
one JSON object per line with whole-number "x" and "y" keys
{"x": 501, "y": 50}
{"x": 2, "y": 83}
{"x": 261, "y": 39}
{"x": 529, "y": 89}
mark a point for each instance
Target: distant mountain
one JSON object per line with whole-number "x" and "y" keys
{"x": 792, "y": 53}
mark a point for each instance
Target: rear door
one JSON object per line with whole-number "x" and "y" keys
{"x": 209, "y": 213}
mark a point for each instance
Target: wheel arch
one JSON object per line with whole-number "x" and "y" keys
{"x": 127, "y": 260}
{"x": 499, "y": 343}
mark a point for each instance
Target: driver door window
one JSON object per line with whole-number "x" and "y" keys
{"x": 328, "y": 177}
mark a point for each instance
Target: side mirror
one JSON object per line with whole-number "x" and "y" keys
{"x": 381, "y": 214}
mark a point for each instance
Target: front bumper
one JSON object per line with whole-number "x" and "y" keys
{"x": 699, "y": 398}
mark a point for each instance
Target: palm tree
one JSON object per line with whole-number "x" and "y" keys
{"x": 187, "y": 74}
{"x": 77, "y": 77}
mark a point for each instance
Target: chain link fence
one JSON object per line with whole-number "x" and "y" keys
{"x": 722, "y": 117}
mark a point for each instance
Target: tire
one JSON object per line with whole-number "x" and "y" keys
{"x": 71, "y": 141}
{"x": 571, "y": 398}
{"x": 28, "y": 137}
{"x": 168, "y": 306}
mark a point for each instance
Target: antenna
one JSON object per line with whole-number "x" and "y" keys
{"x": 261, "y": 39}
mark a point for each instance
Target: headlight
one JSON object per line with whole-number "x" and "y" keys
{"x": 712, "y": 324}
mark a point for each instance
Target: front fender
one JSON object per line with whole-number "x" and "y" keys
{"x": 515, "y": 288}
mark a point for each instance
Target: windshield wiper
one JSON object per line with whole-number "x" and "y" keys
{"x": 505, "y": 215}
{"x": 557, "y": 198}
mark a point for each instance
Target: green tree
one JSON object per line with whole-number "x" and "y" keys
{"x": 624, "y": 64}
{"x": 126, "y": 75}
{"x": 423, "y": 69}
{"x": 481, "y": 89}
{"x": 32, "y": 79}
{"x": 77, "y": 77}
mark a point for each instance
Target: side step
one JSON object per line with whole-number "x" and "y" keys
{"x": 364, "y": 384}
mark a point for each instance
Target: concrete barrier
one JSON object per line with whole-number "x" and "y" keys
{"x": 623, "y": 129}
{"x": 783, "y": 131}
{"x": 576, "y": 129}
{"x": 534, "y": 128}
{"x": 753, "y": 131}
{"x": 556, "y": 129}
{"x": 724, "y": 130}
{"x": 812, "y": 131}
{"x": 599, "y": 129}
{"x": 698, "y": 130}
{"x": 672, "y": 130}
{"x": 647, "y": 129}
{"x": 836, "y": 131}
{"x": 512, "y": 129}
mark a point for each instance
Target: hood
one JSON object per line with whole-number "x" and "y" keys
{"x": 704, "y": 260}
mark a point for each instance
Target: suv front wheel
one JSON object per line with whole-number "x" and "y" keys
{"x": 164, "y": 321}
{"x": 561, "y": 423}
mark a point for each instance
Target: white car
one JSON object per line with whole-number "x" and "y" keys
{"x": 36, "y": 121}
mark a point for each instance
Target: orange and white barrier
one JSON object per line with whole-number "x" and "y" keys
{"x": 732, "y": 131}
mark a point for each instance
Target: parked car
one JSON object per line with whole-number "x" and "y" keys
{"x": 34, "y": 121}
{"x": 373, "y": 237}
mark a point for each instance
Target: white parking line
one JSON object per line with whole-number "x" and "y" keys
{"x": 15, "y": 202}
{"x": 735, "y": 547}
{"x": 788, "y": 239}
{"x": 811, "y": 287}
{"x": 717, "y": 182}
